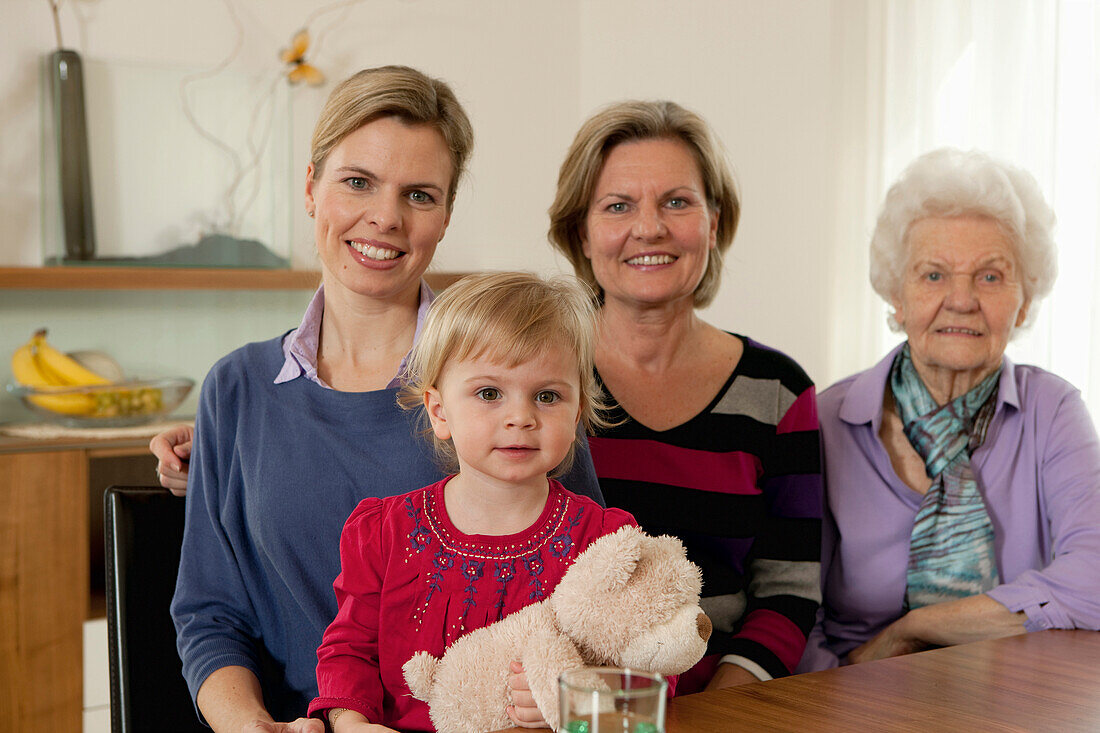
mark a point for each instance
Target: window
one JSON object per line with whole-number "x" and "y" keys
{"x": 1019, "y": 80}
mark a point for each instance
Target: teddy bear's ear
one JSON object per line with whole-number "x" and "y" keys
{"x": 669, "y": 546}
{"x": 669, "y": 553}
{"x": 608, "y": 562}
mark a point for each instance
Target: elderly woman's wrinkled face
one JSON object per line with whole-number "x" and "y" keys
{"x": 649, "y": 230}
{"x": 380, "y": 207}
{"x": 961, "y": 297}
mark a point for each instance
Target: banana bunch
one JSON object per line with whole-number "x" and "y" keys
{"x": 39, "y": 366}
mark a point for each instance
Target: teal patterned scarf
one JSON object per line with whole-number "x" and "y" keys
{"x": 951, "y": 546}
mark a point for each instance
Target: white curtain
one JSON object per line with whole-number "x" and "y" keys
{"x": 1020, "y": 80}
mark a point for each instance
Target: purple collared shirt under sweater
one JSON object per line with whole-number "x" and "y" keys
{"x": 1038, "y": 470}
{"x": 300, "y": 345}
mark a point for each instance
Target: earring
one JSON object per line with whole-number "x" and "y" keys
{"x": 310, "y": 212}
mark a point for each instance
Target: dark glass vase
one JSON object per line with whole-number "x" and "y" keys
{"x": 66, "y": 75}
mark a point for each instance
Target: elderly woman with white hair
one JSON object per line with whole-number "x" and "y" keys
{"x": 962, "y": 490}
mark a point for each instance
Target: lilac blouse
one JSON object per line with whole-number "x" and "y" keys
{"x": 300, "y": 345}
{"x": 1038, "y": 470}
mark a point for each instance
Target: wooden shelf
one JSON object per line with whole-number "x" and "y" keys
{"x": 81, "y": 277}
{"x": 91, "y": 277}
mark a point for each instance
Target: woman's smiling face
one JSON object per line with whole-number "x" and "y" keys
{"x": 380, "y": 207}
{"x": 649, "y": 230}
{"x": 961, "y": 297}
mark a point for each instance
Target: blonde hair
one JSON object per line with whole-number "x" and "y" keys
{"x": 510, "y": 317}
{"x": 633, "y": 121}
{"x": 401, "y": 92}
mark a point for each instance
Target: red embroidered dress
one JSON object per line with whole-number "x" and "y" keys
{"x": 410, "y": 581}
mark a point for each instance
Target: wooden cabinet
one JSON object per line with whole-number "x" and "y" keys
{"x": 51, "y": 521}
{"x": 51, "y": 545}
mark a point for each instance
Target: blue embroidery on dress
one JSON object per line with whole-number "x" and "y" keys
{"x": 472, "y": 570}
{"x": 533, "y": 564}
{"x": 442, "y": 561}
{"x": 421, "y": 536}
{"x": 505, "y": 572}
{"x": 561, "y": 544}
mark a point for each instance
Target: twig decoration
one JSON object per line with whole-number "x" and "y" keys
{"x": 55, "y": 5}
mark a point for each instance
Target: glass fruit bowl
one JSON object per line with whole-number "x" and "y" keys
{"x": 114, "y": 405}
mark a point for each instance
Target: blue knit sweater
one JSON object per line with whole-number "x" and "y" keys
{"x": 275, "y": 471}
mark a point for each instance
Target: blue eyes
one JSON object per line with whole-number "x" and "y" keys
{"x": 991, "y": 278}
{"x": 419, "y": 197}
{"x": 621, "y": 207}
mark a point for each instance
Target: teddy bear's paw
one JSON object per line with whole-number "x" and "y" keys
{"x": 420, "y": 674}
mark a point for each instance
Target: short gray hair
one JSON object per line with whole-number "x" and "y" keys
{"x": 949, "y": 182}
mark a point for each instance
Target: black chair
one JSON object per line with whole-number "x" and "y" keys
{"x": 143, "y": 533}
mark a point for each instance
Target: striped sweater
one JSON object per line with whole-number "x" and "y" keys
{"x": 740, "y": 484}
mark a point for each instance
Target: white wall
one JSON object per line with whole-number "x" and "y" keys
{"x": 761, "y": 74}
{"x": 768, "y": 76}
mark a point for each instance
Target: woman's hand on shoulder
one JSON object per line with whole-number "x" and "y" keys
{"x": 172, "y": 448}
{"x": 522, "y": 712}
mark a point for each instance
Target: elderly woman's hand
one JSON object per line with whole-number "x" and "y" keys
{"x": 893, "y": 641}
{"x": 942, "y": 624}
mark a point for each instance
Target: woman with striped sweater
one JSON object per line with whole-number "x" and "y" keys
{"x": 717, "y": 436}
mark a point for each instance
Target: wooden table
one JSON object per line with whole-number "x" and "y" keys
{"x": 1045, "y": 681}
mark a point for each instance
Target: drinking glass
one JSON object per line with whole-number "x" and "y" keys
{"x": 612, "y": 700}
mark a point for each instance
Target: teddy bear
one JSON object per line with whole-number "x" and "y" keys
{"x": 629, "y": 600}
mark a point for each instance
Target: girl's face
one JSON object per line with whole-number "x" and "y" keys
{"x": 380, "y": 208}
{"x": 510, "y": 425}
{"x": 649, "y": 230}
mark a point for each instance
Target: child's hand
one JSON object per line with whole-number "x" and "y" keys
{"x": 301, "y": 725}
{"x": 349, "y": 721}
{"x": 522, "y": 712}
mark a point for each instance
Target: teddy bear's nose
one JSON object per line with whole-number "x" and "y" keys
{"x": 703, "y": 624}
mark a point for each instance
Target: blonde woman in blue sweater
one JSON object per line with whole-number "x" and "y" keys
{"x": 293, "y": 432}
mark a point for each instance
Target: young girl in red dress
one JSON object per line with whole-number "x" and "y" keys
{"x": 503, "y": 372}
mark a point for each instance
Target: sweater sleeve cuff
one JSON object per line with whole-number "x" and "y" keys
{"x": 197, "y": 671}
{"x": 748, "y": 665}
{"x": 1041, "y": 613}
